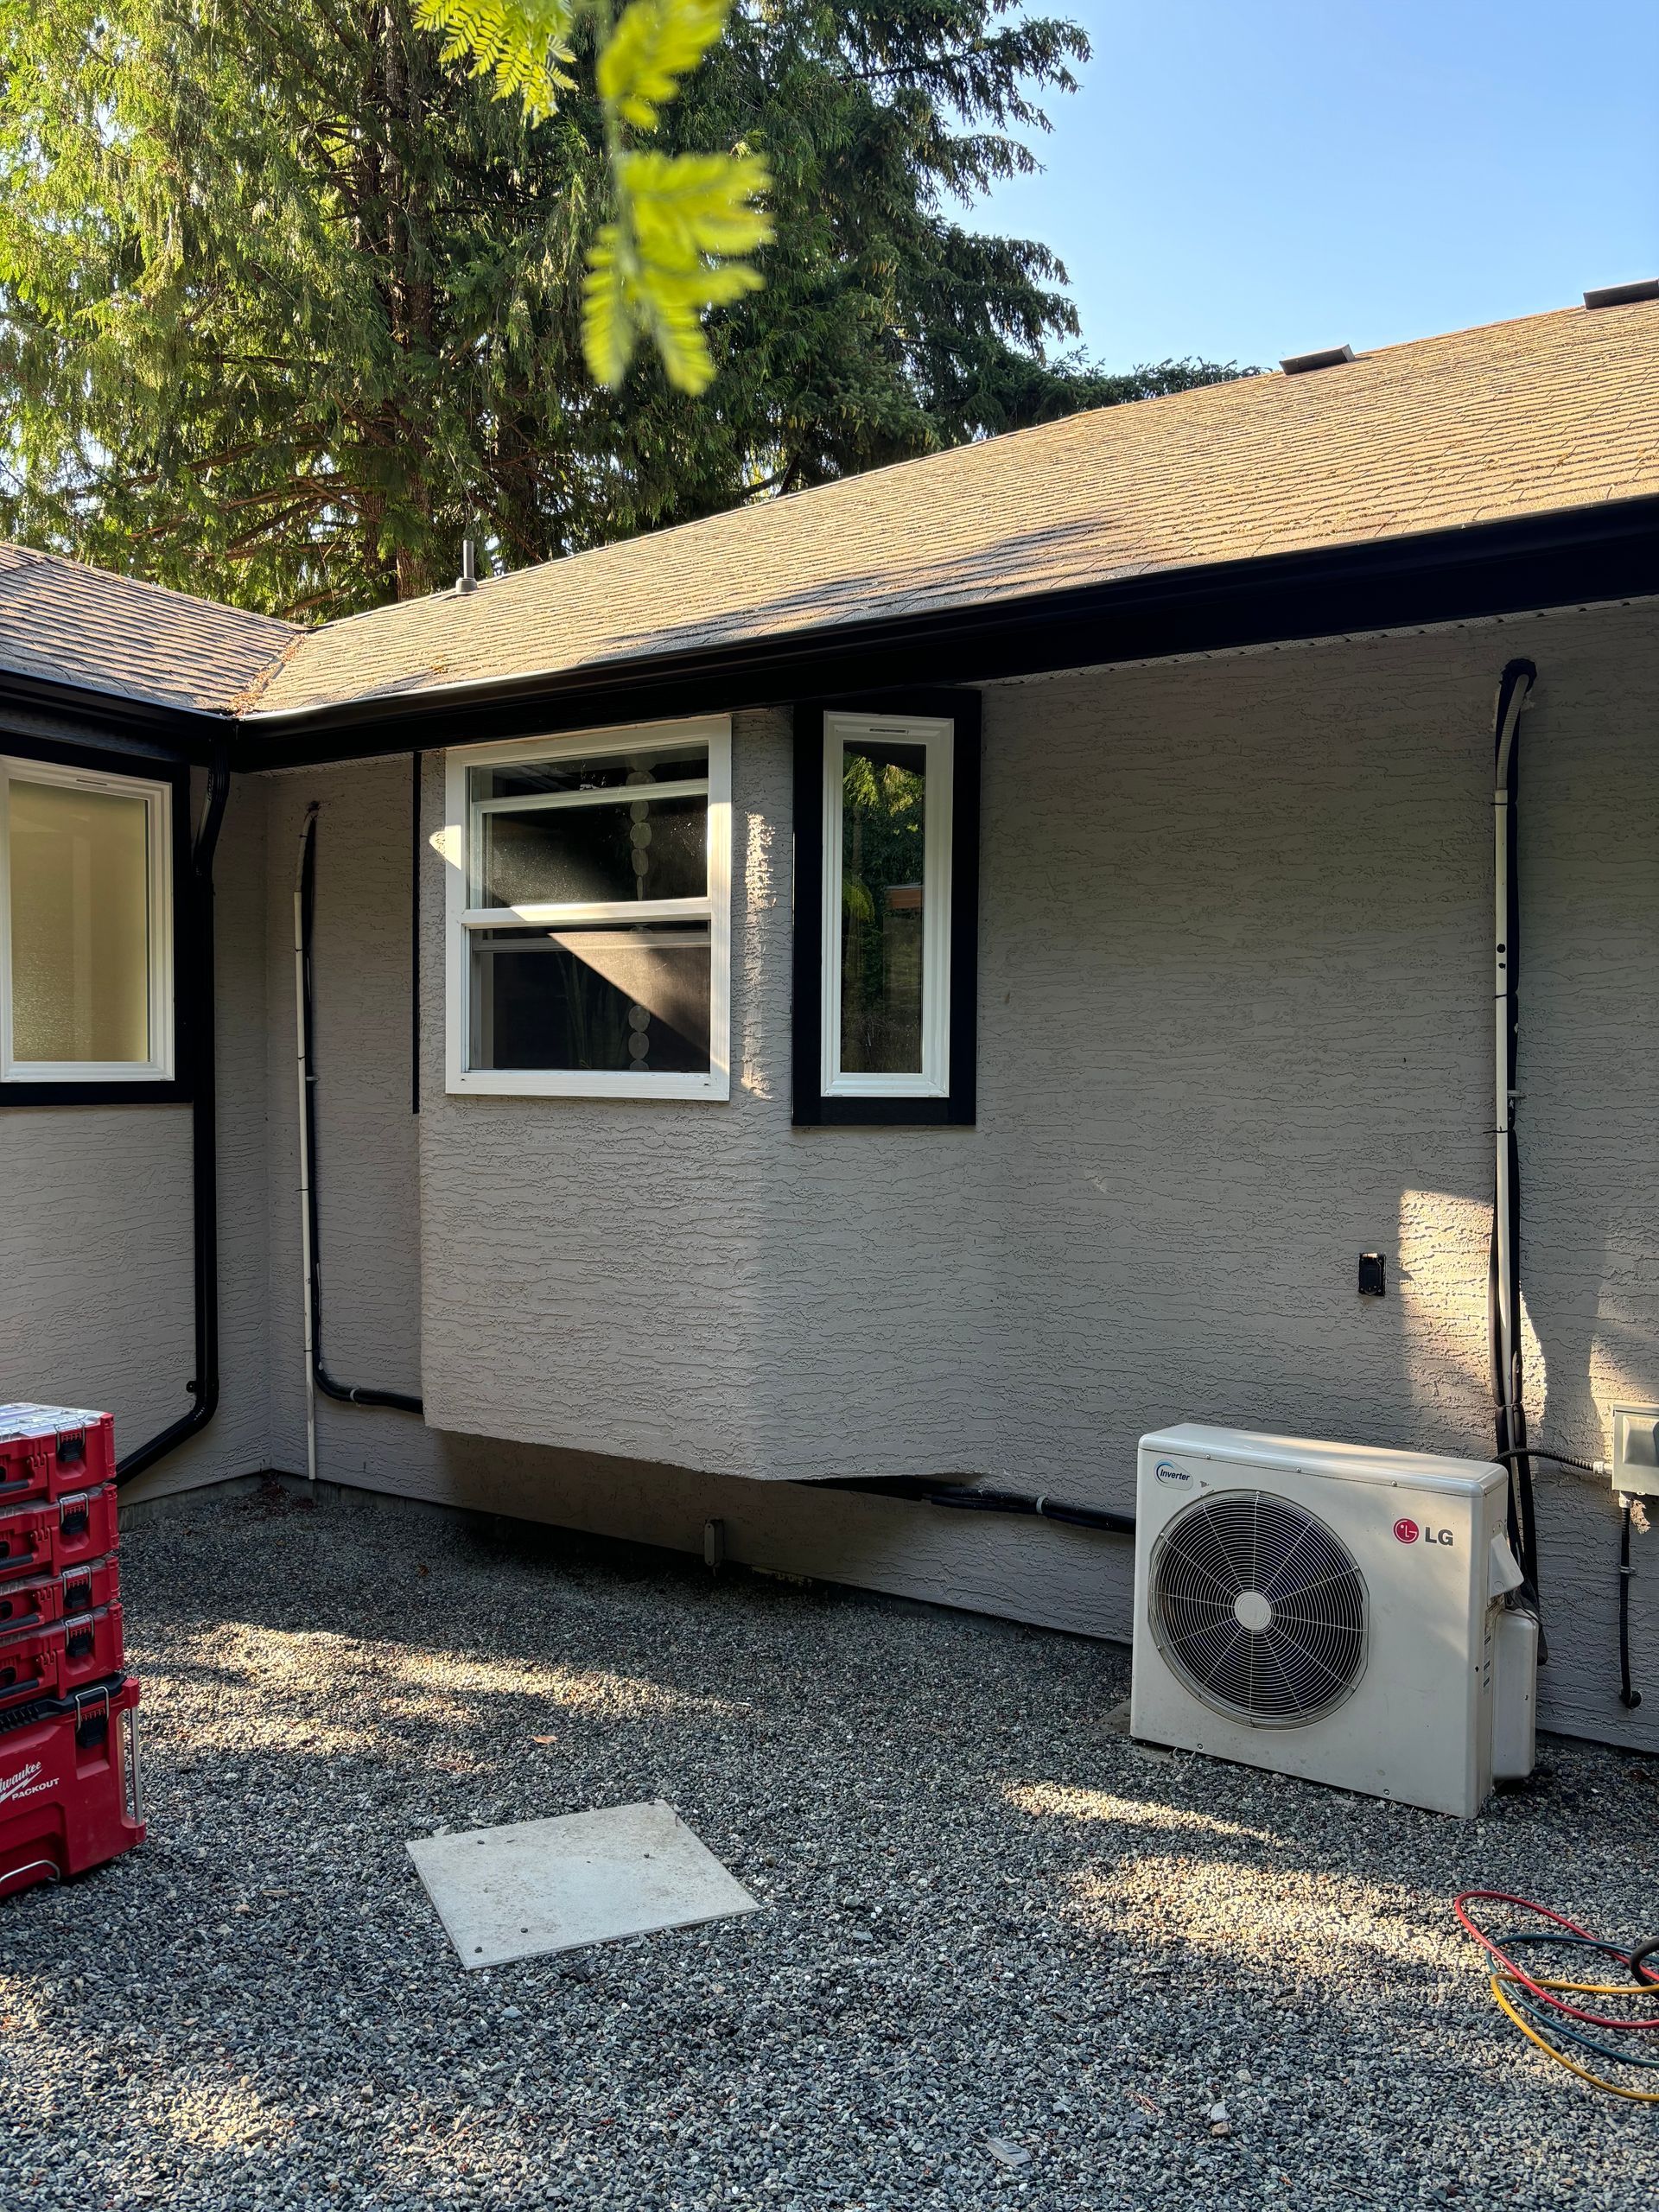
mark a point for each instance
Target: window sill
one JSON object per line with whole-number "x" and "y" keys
{"x": 534, "y": 1083}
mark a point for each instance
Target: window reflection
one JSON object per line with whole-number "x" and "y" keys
{"x": 883, "y": 839}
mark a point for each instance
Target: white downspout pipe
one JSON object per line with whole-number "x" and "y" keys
{"x": 1503, "y": 1095}
{"x": 303, "y": 1068}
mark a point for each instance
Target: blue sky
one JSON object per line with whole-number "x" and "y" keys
{"x": 1246, "y": 181}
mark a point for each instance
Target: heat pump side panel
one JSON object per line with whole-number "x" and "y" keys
{"x": 1416, "y": 1727}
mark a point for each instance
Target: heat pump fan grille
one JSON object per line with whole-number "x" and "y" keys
{"x": 1259, "y": 1608}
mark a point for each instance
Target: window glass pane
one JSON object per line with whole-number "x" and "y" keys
{"x": 641, "y": 849}
{"x": 883, "y": 794}
{"x": 79, "y": 864}
{"x": 653, "y": 764}
{"x": 621, "y": 999}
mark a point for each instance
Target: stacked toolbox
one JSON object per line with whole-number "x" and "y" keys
{"x": 69, "y": 1795}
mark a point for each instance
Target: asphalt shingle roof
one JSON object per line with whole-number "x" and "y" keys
{"x": 1552, "y": 412}
{"x": 70, "y": 624}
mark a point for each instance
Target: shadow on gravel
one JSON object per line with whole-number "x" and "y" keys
{"x": 992, "y": 1922}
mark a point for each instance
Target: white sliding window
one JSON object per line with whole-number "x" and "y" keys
{"x": 590, "y": 913}
{"x": 85, "y": 926}
{"x": 886, "y": 1004}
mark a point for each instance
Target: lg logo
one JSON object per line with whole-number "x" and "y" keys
{"x": 1406, "y": 1531}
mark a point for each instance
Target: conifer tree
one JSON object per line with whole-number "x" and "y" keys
{"x": 288, "y": 301}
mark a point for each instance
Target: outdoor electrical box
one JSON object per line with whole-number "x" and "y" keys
{"x": 1635, "y": 1451}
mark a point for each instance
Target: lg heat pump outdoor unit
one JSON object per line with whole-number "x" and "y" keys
{"x": 1332, "y": 1611}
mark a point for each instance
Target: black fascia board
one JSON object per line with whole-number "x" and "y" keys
{"x": 1562, "y": 559}
{"x": 148, "y": 726}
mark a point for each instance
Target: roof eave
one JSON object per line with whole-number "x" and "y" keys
{"x": 1574, "y": 556}
{"x": 182, "y": 732}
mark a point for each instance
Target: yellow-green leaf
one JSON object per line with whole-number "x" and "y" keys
{"x": 656, "y": 44}
{"x": 696, "y": 203}
{"x": 520, "y": 43}
{"x": 668, "y": 257}
{"x": 608, "y": 327}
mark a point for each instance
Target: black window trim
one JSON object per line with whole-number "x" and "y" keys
{"x": 810, "y": 1108}
{"x": 125, "y": 760}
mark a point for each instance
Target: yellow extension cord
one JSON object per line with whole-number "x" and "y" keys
{"x": 1572, "y": 1989}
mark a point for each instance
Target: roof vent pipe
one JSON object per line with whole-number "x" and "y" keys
{"x": 468, "y": 579}
{"x": 1297, "y": 365}
{"x": 1622, "y": 295}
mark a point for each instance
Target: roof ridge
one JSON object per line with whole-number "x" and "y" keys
{"x": 1574, "y": 308}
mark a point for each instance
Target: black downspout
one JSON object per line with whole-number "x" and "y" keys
{"x": 343, "y": 1393}
{"x": 203, "y": 1386}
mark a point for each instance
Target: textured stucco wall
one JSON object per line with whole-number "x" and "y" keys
{"x": 96, "y": 1297}
{"x": 365, "y": 1167}
{"x": 696, "y": 1282}
{"x": 1236, "y": 1022}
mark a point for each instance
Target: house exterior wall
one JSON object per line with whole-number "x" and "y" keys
{"x": 1236, "y": 1028}
{"x": 365, "y": 1167}
{"x": 96, "y": 1294}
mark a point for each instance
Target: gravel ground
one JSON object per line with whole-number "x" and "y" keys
{"x": 1009, "y": 1958}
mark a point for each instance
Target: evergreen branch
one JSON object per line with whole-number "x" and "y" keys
{"x": 284, "y": 295}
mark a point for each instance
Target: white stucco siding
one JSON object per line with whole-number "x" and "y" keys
{"x": 366, "y": 1158}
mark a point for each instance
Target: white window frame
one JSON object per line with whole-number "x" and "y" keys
{"x": 938, "y": 740}
{"x": 158, "y": 1066}
{"x": 460, "y": 848}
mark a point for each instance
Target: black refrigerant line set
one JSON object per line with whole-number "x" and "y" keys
{"x": 961, "y": 1493}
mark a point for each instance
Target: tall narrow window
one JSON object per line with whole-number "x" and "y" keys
{"x": 590, "y": 913}
{"x": 885, "y": 837}
{"x": 886, "y": 907}
{"x": 86, "y": 973}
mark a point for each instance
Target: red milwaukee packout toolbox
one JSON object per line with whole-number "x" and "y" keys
{"x": 69, "y": 1789}
{"x": 45, "y": 1537}
{"x": 46, "y": 1449}
{"x": 41, "y": 1598}
{"x": 61, "y": 1655}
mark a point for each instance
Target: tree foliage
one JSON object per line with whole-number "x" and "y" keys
{"x": 680, "y": 224}
{"x": 288, "y": 302}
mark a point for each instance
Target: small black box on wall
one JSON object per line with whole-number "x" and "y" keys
{"x": 1373, "y": 1274}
